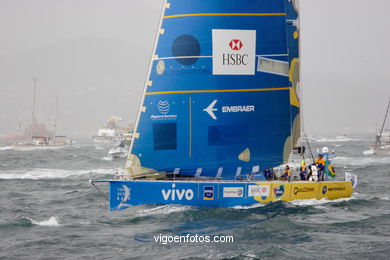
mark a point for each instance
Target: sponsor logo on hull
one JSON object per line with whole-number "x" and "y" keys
{"x": 208, "y": 193}
{"x": 123, "y": 195}
{"x": 258, "y": 191}
{"x": 336, "y": 189}
{"x": 279, "y": 191}
{"x": 177, "y": 194}
{"x": 233, "y": 192}
{"x": 304, "y": 189}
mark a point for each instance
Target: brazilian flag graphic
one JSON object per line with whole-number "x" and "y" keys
{"x": 329, "y": 169}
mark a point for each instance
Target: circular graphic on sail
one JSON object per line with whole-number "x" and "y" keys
{"x": 163, "y": 107}
{"x": 186, "y": 46}
{"x": 160, "y": 67}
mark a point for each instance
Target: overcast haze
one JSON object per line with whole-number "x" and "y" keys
{"x": 94, "y": 56}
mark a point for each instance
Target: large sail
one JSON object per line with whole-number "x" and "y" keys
{"x": 220, "y": 98}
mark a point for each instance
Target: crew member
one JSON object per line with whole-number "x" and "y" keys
{"x": 268, "y": 174}
{"x": 303, "y": 171}
{"x": 287, "y": 173}
{"x": 320, "y": 163}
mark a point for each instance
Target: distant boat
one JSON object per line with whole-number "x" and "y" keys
{"x": 382, "y": 140}
{"x": 122, "y": 149}
{"x": 111, "y": 132}
{"x": 40, "y": 143}
{"x": 40, "y": 138}
{"x": 220, "y": 110}
{"x": 119, "y": 151}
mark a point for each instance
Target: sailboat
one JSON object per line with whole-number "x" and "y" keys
{"x": 382, "y": 142}
{"x": 40, "y": 137}
{"x": 221, "y": 105}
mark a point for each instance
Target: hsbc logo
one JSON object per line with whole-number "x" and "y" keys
{"x": 234, "y": 52}
{"x": 236, "y": 45}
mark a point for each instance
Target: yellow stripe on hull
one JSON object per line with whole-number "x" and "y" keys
{"x": 289, "y": 191}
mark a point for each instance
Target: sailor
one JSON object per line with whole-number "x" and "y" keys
{"x": 268, "y": 174}
{"x": 287, "y": 173}
{"x": 320, "y": 163}
{"x": 303, "y": 171}
{"x": 314, "y": 173}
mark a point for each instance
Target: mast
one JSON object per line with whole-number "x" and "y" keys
{"x": 55, "y": 120}
{"x": 147, "y": 81}
{"x": 378, "y": 139}
{"x": 33, "y": 109}
{"x": 294, "y": 61}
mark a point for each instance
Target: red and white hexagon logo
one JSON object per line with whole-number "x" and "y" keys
{"x": 235, "y": 44}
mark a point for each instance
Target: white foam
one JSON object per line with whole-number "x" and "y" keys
{"x": 253, "y": 206}
{"x": 315, "y": 202}
{"x": 162, "y": 210}
{"x": 369, "y": 152}
{"x": 107, "y": 158}
{"x": 360, "y": 161}
{"x": 37, "y": 174}
{"x": 4, "y": 148}
{"x": 337, "y": 139}
{"x": 51, "y": 222}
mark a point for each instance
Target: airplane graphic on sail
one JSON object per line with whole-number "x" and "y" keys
{"x": 210, "y": 109}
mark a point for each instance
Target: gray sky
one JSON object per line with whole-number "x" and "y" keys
{"x": 94, "y": 55}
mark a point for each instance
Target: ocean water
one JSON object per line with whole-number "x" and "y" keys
{"x": 48, "y": 210}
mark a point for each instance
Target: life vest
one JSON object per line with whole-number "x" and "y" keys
{"x": 320, "y": 161}
{"x": 287, "y": 172}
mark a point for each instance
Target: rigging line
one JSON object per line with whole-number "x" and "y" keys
{"x": 308, "y": 145}
{"x": 224, "y": 14}
{"x": 93, "y": 184}
{"x": 305, "y": 135}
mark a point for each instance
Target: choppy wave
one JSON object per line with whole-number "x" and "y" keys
{"x": 4, "y": 148}
{"x": 37, "y": 174}
{"x": 337, "y": 139}
{"x": 51, "y": 222}
{"x": 360, "y": 161}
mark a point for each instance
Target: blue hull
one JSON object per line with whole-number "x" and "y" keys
{"x": 209, "y": 194}
{"x": 124, "y": 194}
